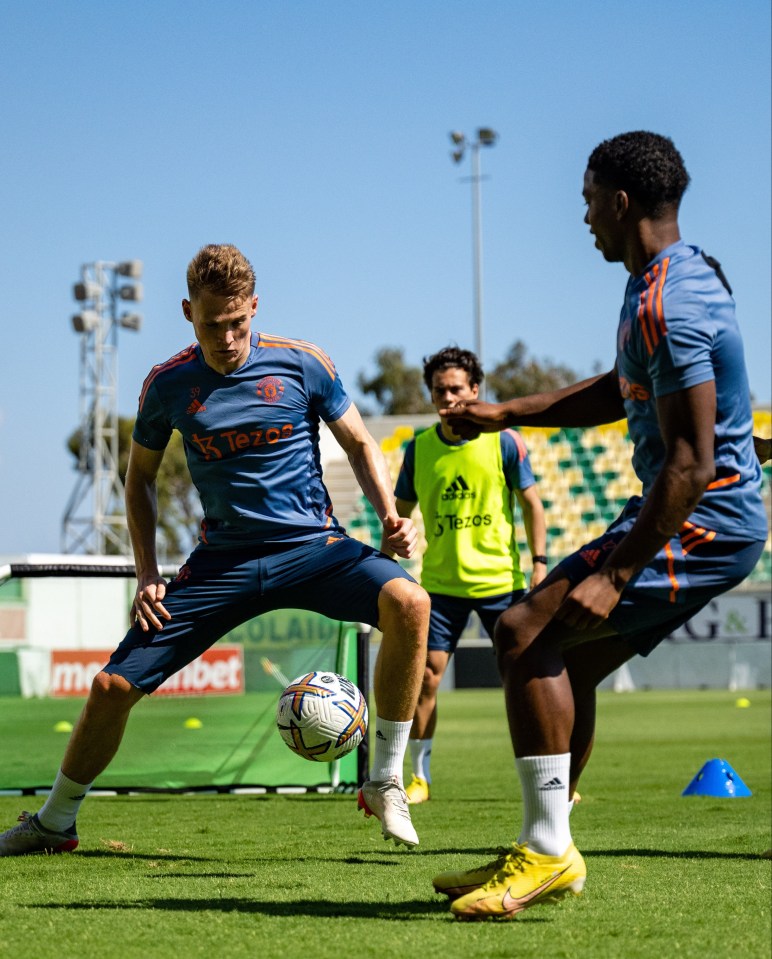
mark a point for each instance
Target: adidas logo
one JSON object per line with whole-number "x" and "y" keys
{"x": 379, "y": 735}
{"x": 195, "y": 407}
{"x": 552, "y": 784}
{"x": 458, "y": 489}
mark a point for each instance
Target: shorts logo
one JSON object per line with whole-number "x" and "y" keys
{"x": 633, "y": 391}
{"x": 270, "y": 389}
{"x": 590, "y": 556}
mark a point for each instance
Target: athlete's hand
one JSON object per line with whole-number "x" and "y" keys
{"x": 148, "y": 602}
{"x": 763, "y": 448}
{"x": 400, "y": 535}
{"x": 469, "y": 418}
{"x": 590, "y": 603}
{"x": 538, "y": 574}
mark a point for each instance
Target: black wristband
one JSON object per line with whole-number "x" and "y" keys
{"x": 539, "y": 559}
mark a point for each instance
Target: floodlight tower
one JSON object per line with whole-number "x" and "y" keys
{"x": 94, "y": 519}
{"x": 485, "y": 138}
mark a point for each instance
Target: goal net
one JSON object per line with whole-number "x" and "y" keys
{"x": 210, "y": 727}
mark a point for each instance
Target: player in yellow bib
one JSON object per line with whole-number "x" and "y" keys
{"x": 465, "y": 490}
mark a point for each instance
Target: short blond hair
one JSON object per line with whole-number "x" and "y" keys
{"x": 222, "y": 269}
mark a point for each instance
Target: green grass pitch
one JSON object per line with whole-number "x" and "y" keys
{"x": 306, "y": 876}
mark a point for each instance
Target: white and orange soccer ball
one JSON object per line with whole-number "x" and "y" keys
{"x": 321, "y": 716}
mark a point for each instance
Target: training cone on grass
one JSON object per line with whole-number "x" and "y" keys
{"x": 717, "y": 778}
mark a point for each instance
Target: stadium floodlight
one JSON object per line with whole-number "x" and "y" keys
{"x": 86, "y": 291}
{"x": 85, "y": 321}
{"x": 94, "y": 519}
{"x": 486, "y": 137}
{"x": 130, "y": 268}
{"x": 130, "y": 321}
{"x": 130, "y": 292}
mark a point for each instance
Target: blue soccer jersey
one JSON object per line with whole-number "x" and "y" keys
{"x": 678, "y": 329}
{"x": 251, "y": 437}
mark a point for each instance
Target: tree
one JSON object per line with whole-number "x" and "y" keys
{"x": 519, "y": 375}
{"x": 179, "y": 509}
{"x": 398, "y": 388}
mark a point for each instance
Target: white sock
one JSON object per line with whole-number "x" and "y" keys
{"x": 420, "y": 757}
{"x": 390, "y": 745}
{"x": 544, "y": 782}
{"x": 60, "y": 810}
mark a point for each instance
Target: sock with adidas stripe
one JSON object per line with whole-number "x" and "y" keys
{"x": 389, "y": 746}
{"x": 544, "y": 784}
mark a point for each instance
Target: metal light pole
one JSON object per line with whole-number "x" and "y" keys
{"x": 486, "y": 137}
{"x": 101, "y": 528}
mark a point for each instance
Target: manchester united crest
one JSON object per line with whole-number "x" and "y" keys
{"x": 270, "y": 389}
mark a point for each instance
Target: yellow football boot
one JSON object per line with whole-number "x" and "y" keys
{"x": 524, "y": 879}
{"x": 417, "y": 791}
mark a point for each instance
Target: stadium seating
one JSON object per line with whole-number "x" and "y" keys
{"x": 585, "y": 476}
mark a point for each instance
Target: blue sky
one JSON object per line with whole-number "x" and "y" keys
{"x": 314, "y": 135}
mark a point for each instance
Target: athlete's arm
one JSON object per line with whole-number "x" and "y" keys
{"x": 687, "y": 422}
{"x": 141, "y": 516}
{"x": 372, "y": 474}
{"x": 535, "y": 525}
{"x": 763, "y": 448}
{"x": 404, "y": 508}
{"x": 588, "y": 403}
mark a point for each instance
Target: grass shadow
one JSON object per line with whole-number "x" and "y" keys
{"x": 411, "y": 909}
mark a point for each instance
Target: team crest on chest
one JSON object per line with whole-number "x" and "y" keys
{"x": 270, "y": 389}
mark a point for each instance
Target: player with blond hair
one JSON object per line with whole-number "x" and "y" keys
{"x": 249, "y": 407}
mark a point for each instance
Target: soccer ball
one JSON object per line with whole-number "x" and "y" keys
{"x": 322, "y": 716}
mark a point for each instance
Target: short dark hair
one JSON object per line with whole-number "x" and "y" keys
{"x": 451, "y": 357}
{"x": 645, "y": 165}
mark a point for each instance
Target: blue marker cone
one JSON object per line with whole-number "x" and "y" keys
{"x": 717, "y": 778}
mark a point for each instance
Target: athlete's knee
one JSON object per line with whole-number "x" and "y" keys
{"x": 405, "y": 602}
{"x": 430, "y": 683}
{"x": 511, "y": 634}
{"x": 110, "y": 691}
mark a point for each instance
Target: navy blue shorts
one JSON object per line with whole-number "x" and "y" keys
{"x": 686, "y": 574}
{"x": 217, "y": 590}
{"x": 450, "y": 614}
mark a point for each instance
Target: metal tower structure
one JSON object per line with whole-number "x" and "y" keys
{"x": 486, "y": 137}
{"x": 94, "y": 519}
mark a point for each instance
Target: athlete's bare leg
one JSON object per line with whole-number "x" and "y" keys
{"x": 403, "y": 608}
{"x": 99, "y": 731}
{"x": 425, "y": 719}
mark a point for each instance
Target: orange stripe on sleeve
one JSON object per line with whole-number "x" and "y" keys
{"x": 277, "y": 342}
{"x": 660, "y": 315}
{"x": 185, "y": 356}
{"x": 522, "y": 452}
{"x": 642, "y": 321}
{"x": 725, "y": 481}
